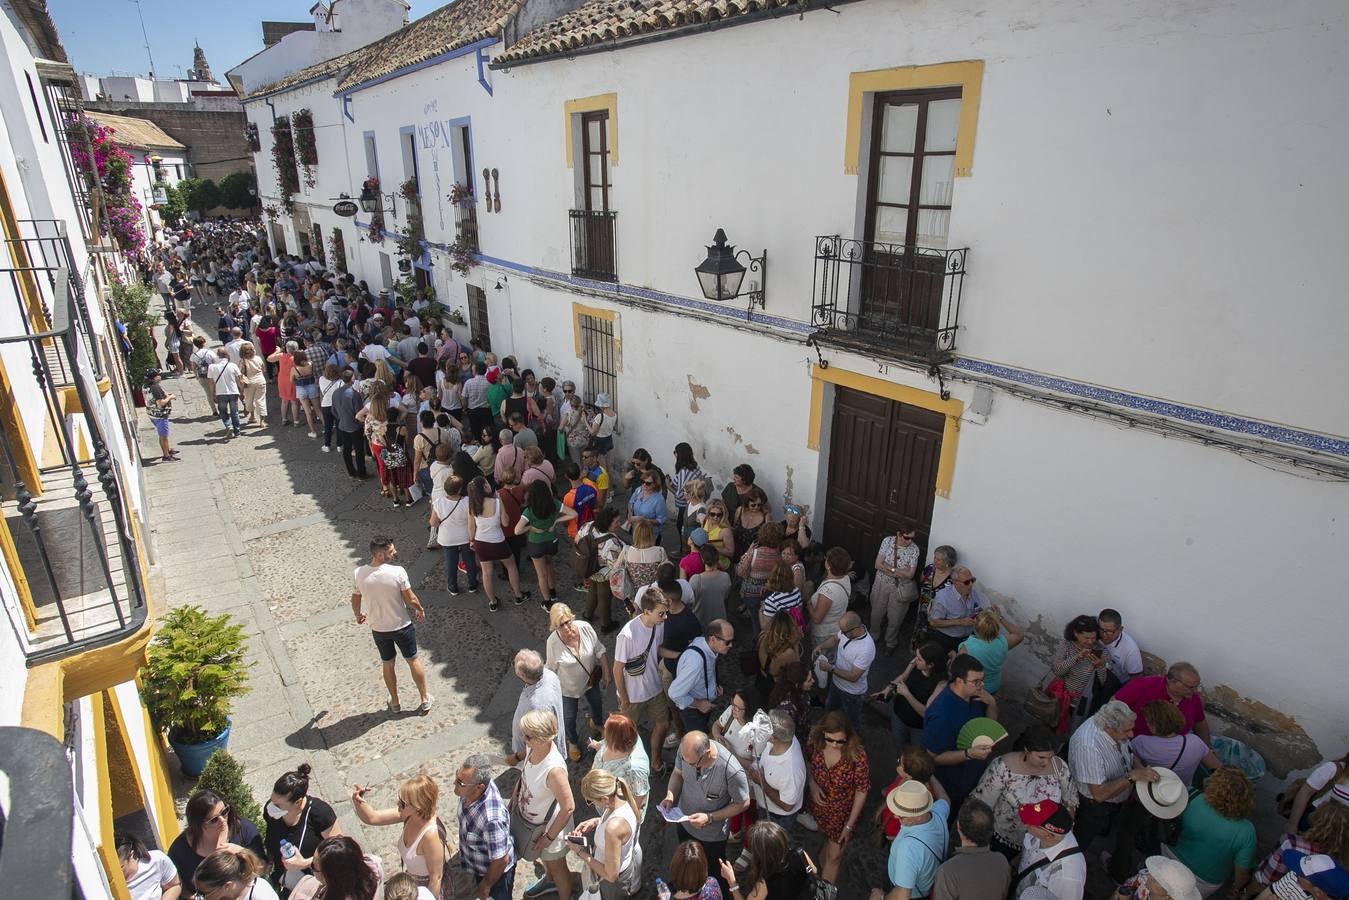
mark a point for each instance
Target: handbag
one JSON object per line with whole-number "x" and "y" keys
{"x": 596, "y": 672}
{"x": 619, "y": 583}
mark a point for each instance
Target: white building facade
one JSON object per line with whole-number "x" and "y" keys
{"x": 1015, "y": 289}
{"x": 78, "y": 755}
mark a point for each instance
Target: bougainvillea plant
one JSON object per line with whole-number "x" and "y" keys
{"x": 306, "y": 147}
{"x": 283, "y": 157}
{"x": 337, "y": 250}
{"x": 109, "y": 168}
{"x": 376, "y": 229}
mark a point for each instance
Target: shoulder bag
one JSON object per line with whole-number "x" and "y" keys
{"x": 598, "y": 669}
{"x": 636, "y": 667}
{"x": 1042, "y": 704}
{"x": 1021, "y": 876}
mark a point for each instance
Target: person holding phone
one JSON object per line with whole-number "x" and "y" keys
{"x": 1082, "y": 662}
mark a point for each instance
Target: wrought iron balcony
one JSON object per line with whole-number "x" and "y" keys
{"x": 594, "y": 251}
{"x": 74, "y": 542}
{"x": 889, "y": 299}
{"x": 36, "y": 825}
{"x": 466, "y": 226}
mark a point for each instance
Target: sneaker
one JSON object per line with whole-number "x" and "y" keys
{"x": 493, "y": 605}
{"x": 671, "y": 741}
{"x": 807, "y": 821}
{"x": 425, "y": 706}
{"x": 522, "y": 598}
{"x": 546, "y": 603}
{"x": 453, "y": 589}
{"x": 311, "y": 434}
{"x": 541, "y": 888}
{"x": 326, "y": 449}
{"x": 472, "y": 589}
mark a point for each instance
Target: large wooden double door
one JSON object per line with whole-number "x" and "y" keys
{"x": 883, "y": 458}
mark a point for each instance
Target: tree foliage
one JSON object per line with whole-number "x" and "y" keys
{"x": 200, "y": 194}
{"x": 131, "y": 302}
{"x": 236, "y": 190}
{"x": 173, "y": 209}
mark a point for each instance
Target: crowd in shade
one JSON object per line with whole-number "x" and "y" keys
{"x": 711, "y": 672}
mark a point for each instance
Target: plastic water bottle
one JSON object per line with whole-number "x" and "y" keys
{"x": 288, "y": 850}
{"x": 662, "y": 889}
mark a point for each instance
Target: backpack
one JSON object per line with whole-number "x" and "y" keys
{"x": 202, "y": 360}
{"x": 585, "y": 558}
{"x": 393, "y": 456}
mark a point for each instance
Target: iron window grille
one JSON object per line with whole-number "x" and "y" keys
{"x": 599, "y": 359}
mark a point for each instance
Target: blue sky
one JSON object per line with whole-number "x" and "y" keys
{"x": 103, "y": 37}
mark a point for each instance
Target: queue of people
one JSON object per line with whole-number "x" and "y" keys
{"x": 1120, "y": 767}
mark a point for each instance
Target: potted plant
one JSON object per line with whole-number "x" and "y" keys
{"x": 224, "y": 776}
{"x": 194, "y": 669}
{"x": 131, "y": 303}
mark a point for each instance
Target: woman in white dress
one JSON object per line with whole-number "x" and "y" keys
{"x": 541, "y": 810}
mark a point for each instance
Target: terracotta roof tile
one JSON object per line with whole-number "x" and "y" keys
{"x": 139, "y": 133}
{"x": 610, "y": 20}
{"x": 448, "y": 28}
{"x": 325, "y": 69}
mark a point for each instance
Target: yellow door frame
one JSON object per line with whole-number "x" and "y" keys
{"x": 951, "y": 409}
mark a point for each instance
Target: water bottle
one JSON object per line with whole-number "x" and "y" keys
{"x": 662, "y": 889}
{"x": 288, "y": 850}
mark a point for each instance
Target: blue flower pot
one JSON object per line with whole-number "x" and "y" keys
{"x": 193, "y": 757}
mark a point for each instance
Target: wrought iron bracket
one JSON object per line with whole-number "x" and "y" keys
{"x": 755, "y": 264}
{"x": 934, "y": 371}
{"x": 813, "y": 340}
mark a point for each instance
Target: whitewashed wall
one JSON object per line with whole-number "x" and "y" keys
{"x": 1155, "y": 193}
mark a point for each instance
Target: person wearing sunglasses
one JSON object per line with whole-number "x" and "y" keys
{"x": 211, "y": 825}
{"x": 649, "y": 502}
{"x": 954, "y": 608}
{"x": 837, "y": 784}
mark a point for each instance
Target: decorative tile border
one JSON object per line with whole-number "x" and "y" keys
{"x": 1280, "y": 434}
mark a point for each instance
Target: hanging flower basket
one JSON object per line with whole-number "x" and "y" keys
{"x": 306, "y": 146}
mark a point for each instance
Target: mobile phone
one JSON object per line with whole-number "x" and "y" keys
{"x": 577, "y": 839}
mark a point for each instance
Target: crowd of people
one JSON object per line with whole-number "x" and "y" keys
{"x": 746, "y": 756}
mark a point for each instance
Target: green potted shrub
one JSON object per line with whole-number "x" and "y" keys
{"x": 194, "y": 670}
{"x": 224, "y": 776}
{"x": 131, "y": 303}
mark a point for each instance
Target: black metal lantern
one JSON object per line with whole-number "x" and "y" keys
{"x": 721, "y": 274}
{"x": 369, "y": 200}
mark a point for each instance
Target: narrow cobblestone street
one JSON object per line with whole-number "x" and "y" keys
{"x": 269, "y": 528}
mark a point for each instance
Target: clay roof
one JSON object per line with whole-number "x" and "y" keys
{"x": 448, "y": 28}
{"x": 610, "y": 21}
{"x": 328, "y": 68}
{"x": 34, "y": 14}
{"x": 131, "y": 132}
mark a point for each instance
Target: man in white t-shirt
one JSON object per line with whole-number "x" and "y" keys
{"x": 1125, "y": 660}
{"x": 779, "y": 774}
{"x": 641, "y": 697}
{"x": 848, "y": 672}
{"x": 383, "y": 598}
{"x": 235, "y": 344}
{"x": 224, "y": 377}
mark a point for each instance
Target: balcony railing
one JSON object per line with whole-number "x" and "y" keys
{"x": 594, "y": 253}
{"x": 37, "y": 823}
{"x": 466, "y": 224}
{"x": 889, "y": 298}
{"x": 75, "y": 544}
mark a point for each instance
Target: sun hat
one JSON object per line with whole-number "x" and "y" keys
{"x": 1321, "y": 870}
{"x": 1166, "y": 797}
{"x": 698, "y": 536}
{"x": 1174, "y": 877}
{"x": 909, "y": 800}
{"x": 980, "y": 731}
{"x": 1048, "y": 815}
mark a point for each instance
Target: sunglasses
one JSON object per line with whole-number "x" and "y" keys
{"x": 219, "y": 818}
{"x": 649, "y": 483}
{"x": 830, "y": 740}
{"x": 569, "y": 390}
{"x": 965, "y": 581}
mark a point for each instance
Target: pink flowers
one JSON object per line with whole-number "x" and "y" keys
{"x": 110, "y": 169}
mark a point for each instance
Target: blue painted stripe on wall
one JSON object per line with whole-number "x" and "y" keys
{"x": 1282, "y": 434}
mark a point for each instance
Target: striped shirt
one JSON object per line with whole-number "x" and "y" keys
{"x": 1095, "y": 758}
{"x": 679, "y": 479}
{"x": 780, "y": 602}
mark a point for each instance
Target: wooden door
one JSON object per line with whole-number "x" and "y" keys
{"x": 883, "y": 458}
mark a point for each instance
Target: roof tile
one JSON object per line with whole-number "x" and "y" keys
{"x": 139, "y": 133}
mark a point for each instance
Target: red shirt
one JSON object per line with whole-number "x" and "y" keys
{"x": 1143, "y": 690}
{"x": 691, "y": 564}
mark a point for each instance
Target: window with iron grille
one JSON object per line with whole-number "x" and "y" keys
{"x": 599, "y": 359}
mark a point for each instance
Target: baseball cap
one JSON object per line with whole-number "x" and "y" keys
{"x": 1321, "y": 870}
{"x": 698, "y": 536}
{"x": 1047, "y": 815}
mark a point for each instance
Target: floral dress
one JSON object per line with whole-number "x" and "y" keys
{"x": 1006, "y": 792}
{"x": 838, "y": 785}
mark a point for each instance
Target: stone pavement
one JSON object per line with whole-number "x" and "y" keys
{"x": 268, "y": 528}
